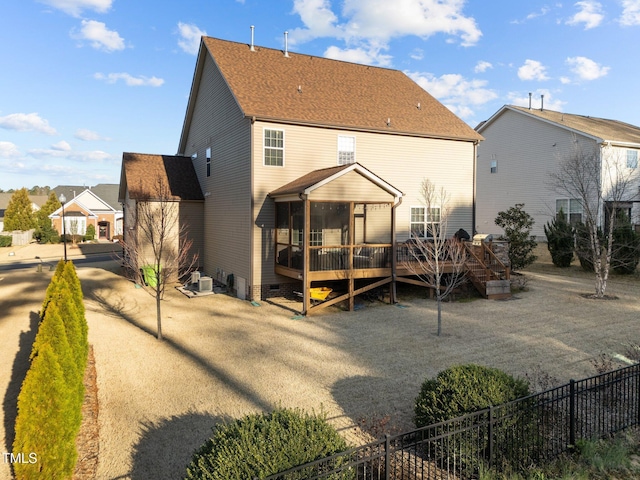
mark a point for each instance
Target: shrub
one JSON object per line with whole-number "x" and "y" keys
{"x": 5, "y": 240}
{"x": 264, "y": 444}
{"x": 463, "y": 389}
{"x": 90, "y": 234}
{"x": 560, "y": 241}
{"x": 625, "y": 253}
{"x": 584, "y": 252}
{"x": 517, "y": 225}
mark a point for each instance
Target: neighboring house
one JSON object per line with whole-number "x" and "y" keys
{"x": 97, "y": 206}
{"x": 162, "y": 178}
{"x": 283, "y": 143}
{"x": 524, "y": 146}
{"x": 36, "y": 202}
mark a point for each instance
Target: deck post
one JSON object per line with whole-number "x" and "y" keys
{"x": 352, "y": 226}
{"x": 394, "y": 257}
{"x": 306, "y": 284}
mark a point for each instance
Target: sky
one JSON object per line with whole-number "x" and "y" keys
{"x": 83, "y": 81}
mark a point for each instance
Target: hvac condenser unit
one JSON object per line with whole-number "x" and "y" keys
{"x": 205, "y": 284}
{"x": 195, "y": 277}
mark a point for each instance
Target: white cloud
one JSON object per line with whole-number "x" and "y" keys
{"x": 61, "y": 146}
{"x": 533, "y": 70}
{"x": 550, "y": 103}
{"x": 75, "y": 7}
{"x": 541, "y": 13}
{"x": 372, "y": 56}
{"x": 417, "y": 54}
{"x": 586, "y": 69}
{"x": 589, "y": 14}
{"x": 69, "y": 154}
{"x": 482, "y": 66}
{"x": 630, "y": 13}
{"x": 88, "y": 135}
{"x": 190, "y": 37}
{"x": 100, "y": 36}
{"x": 456, "y": 92}
{"x": 366, "y": 25}
{"x": 9, "y": 150}
{"x": 27, "y": 122}
{"x": 130, "y": 80}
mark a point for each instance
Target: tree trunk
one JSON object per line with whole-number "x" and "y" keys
{"x": 158, "y": 316}
{"x": 439, "y": 301}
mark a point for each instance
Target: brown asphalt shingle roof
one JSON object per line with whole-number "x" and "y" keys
{"x": 141, "y": 172}
{"x": 605, "y": 129}
{"x": 312, "y": 90}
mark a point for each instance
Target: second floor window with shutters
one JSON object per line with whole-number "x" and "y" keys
{"x": 274, "y": 147}
{"x": 346, "y": 150}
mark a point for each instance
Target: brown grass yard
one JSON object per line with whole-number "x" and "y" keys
{"x": 223, "y": 358}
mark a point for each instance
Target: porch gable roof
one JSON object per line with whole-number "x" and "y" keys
{"x": 309, "y": 182}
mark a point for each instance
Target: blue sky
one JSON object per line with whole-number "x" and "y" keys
{"x": 84, "y": 80}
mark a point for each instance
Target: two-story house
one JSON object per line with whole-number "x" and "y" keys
{"x": 524, "y": 148}
{"x": 284, "y": 143}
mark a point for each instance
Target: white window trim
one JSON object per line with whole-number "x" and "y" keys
{"x": 264, "y": 131}
{"x": 635, "y": 165}
{"x": 426, "y": 219}
{"x": 568, "y": 212}
{"x": 350, "y": 137}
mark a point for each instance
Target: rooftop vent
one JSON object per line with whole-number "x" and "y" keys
{"x": 286, "y": 44}
{"x": 252, "y": 32}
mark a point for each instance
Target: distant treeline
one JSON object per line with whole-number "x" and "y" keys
{"x": 32, "y": 191}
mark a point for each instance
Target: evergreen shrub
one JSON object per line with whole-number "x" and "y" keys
{"x": 517, "y": 225}
{"x": 5, "y": 240}
{"x": 90, "y": 233}
{"x": 560, "y": 241}
{"x": 625, "y": 253}
{"x": 51, "y": 397}
{"x": 260, "y": 445}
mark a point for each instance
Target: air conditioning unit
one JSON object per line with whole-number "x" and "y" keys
{"x": 195, "y": 277}
{"x": 205, "y": 284}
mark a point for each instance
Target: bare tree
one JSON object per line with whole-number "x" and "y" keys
{"x": 436, "y": 260}
{"x": 157, "y": 250}
{"x": 598, "y": 177}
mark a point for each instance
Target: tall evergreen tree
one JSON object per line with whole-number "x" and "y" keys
{"x": 45, "y": 233}
{"x": 19, "y": 213}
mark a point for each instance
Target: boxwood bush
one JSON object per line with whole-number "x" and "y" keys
{"x": 260, "y": 445}
{"x": 5, "y": 240}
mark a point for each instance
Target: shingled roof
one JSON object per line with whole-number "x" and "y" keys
{"x": 141, "y": 173}
{"x": 601, "y": 128}
{"x": 308, "y": 90}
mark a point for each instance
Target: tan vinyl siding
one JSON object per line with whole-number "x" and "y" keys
{"x": 191, "y": 219}
{"x": 402, "y": 161}
{"x": 349, "y": 187}
{"x": 526, "y": 151}
{"x": 218, "y": 123}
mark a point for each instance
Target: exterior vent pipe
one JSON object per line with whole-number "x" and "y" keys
{"x": 286, "y": 44}
{"x": 530, "y": 100}
{"x": 541, "y": 103}
{"x": 252, "y": 32}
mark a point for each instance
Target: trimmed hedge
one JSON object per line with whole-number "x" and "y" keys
{"x": 463, "y": 389}
{"x": 51, "y": 397}
{"x": 260, "y": 445}
{"x": 5, "y": 240}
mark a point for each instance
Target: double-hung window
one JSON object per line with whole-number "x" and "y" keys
{"x": 274, "y": 147}
{"x": 570, "y": 209}
{"x": 208, "y": 161}
{"x": 632, "y": 159}
{"x": 425, "y": 222}
{"x": 346, "y": 150}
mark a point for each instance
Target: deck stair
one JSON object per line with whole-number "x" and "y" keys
{"x": 487, "y": 272}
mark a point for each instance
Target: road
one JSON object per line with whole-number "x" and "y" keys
{"x": 22, "y": 264}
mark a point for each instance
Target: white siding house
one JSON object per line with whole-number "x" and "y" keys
{"x": 523, "y": 147}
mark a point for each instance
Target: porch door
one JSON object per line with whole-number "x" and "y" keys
{"x": 103, "y": 230}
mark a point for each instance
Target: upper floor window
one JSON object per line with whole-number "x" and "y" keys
{"x": 425, "y": 222}
{"x": 632, "y": 159}
{"x": 274, "y": 147}
{"x": 346, "y": 150}
{"x": 494, "y": 166}
{"x": 208, "y": 161}
{"x": 570, "y": 209}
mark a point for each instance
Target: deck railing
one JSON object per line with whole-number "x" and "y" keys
{"x": 516, "y": 435}
{"x": 341, "y": 257}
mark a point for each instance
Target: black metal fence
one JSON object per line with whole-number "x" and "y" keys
{"x": 512, "y": 436}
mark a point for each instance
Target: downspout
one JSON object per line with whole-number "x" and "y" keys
{"x": 394, "y": 254}
{"x": 473, "y": 203}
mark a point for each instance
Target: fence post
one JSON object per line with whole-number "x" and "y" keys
{"x": 387, "y": 456}
{"x": 490, "y": 435}
{"x": 637, "y": 371}
{"x": 572, "y": 414}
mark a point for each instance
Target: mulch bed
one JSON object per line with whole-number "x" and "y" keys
{"x": 87, "y": 442}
